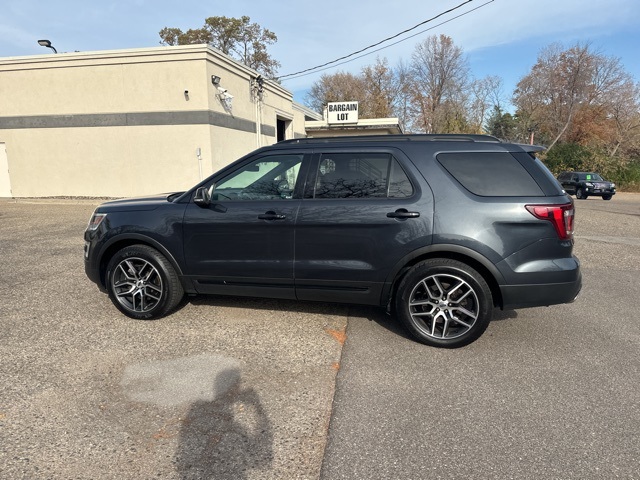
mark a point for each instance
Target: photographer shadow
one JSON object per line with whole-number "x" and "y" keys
{"x": 227, "y": 437}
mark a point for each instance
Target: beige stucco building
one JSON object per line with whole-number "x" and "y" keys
{"x": 142, "y": 121}
{"x": 133, "y": 122}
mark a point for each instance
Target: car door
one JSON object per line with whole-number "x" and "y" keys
{"x": 563, "y": 180}
{"x": 362, "y": 211}
{"x": 572, "y": 184}
{"x": 242, "y": 241}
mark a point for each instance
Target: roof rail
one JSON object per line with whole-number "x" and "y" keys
{"x": 445, "y": 137}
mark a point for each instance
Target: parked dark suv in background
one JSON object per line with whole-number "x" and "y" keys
{"x": 586, "y": 184}
{"x": 439, "y": 229}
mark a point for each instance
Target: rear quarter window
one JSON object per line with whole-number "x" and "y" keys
{"x": 490, "y": 174}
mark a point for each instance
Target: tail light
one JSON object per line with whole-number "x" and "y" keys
{"x": 561, "y": 216}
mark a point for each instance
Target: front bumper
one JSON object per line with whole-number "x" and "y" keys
{"x": 91, "y": 266}
{"x": 599, "y": 191}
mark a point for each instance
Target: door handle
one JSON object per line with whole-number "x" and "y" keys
{"x": 271, "y": 215}
{"x": 403, "y": 213}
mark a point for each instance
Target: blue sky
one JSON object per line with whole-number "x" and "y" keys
{"x": 501, "y": 37}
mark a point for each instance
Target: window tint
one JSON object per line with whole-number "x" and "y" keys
{"x": 490, "y": 174}
{"x": 366, "y": 175}
{"x": 268, "y": 178}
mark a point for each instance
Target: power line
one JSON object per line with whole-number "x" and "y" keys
{"x": 378, "y": 43}
{"x": 329, "y": 65}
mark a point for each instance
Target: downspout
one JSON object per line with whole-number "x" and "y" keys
{"x": 258, "y": 122}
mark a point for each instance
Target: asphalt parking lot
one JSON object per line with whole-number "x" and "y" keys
{"x": 545, "y": 393}
{"x": 260, "y": 389}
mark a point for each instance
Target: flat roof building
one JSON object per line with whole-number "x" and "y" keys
{"x": 133, "y": 122}
{"x": 141, "y": 121}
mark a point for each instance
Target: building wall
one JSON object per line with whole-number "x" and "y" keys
{"x": 5, "y": 181}
{"x": 131, "y": 122}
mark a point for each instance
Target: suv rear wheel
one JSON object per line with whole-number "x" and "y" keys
{"x": 444, "y": 303}
{"x": 142, "y": 284}
{"x": 580, "y": 195}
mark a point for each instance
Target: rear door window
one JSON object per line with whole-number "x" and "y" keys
{"x": 361, "y": 175}
{"x": 490, "y": 174}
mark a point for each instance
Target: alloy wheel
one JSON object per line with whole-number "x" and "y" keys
{"x": 443, "y": 306}
{"x": 137, "y": 285}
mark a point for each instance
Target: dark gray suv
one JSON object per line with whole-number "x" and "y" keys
{"x": 439, "y": 229}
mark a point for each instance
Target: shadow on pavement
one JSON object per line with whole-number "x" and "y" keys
{"x": 225, "y": 438}
{"x": 385, "y": 320}
{"x": 373, "y": 314}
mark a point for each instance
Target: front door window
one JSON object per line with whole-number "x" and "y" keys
{"x": 269, "y": 178}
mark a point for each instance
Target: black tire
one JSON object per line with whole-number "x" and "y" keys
{"x": 142, "y": 283}
{"x": 606, "y": 197}
{"x": 444, "y": 303}
{"x": 580, "y": 195}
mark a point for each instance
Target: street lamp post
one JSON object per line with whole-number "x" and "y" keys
{"x": 47, "y": 43}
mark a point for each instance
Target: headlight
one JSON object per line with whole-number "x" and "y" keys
{"x": 589, "y": 184}
{"x": 613, "y": 185}
{"x": 96, "y": 220}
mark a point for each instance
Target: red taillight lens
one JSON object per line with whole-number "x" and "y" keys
{"x": 561, "y": 216}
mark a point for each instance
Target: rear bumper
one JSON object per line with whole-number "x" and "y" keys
{"x": 540, "y": 295}
{"x": 540, "y": 274}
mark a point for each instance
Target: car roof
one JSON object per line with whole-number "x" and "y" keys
{"x": 448, "y": 137}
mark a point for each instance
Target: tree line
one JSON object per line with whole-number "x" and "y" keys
{"x": 583, "y": 105}
{"x": 239, "y": 38}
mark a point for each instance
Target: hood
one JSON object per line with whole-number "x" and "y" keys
{"x": 135, "y": 204}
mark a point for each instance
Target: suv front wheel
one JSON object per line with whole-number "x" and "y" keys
{"x": 444, "y": 303}
{"x": 142, "y": 284}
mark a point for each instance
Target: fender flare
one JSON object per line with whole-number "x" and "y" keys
{"x": 432, "y": 251}
{"x": 135, "y": 238}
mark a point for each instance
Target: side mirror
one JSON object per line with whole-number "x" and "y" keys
{"x": 202, "y": 197}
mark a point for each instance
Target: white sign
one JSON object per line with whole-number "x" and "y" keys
{"x": 342, "y": 112}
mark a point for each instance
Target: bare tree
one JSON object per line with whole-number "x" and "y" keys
{"x": 404, "y": 81}
{"x": 382, "y": 90}
{"x": 625, "y": 113}
{"x": 485, "y": 96}
{"x": 440, "y": 74}
{"x": 338, "y": 87}
{"x": 376, "y": 88}
{"x": 570, "y": 92}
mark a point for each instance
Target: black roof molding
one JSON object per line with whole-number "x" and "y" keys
{"x": 450, "y": 137}
{"x": 421, "y": 137}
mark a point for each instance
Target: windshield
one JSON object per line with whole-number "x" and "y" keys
{"x": 592, "y": 177}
